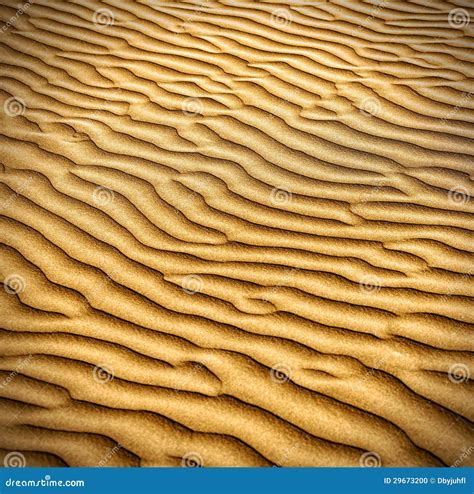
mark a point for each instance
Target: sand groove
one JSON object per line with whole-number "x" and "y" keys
{"x": 237, "y": 233}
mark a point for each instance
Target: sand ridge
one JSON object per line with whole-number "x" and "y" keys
{"x": 236, "y": 233}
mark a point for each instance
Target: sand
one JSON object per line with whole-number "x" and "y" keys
{"x": 236, "y": 233}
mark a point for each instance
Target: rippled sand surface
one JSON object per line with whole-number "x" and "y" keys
{"x": 236, "y": 233}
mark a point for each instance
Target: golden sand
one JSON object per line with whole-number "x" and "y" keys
{"x": 236, "y": 233}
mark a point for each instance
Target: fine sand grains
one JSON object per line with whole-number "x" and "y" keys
{"x": 236, "y": 233}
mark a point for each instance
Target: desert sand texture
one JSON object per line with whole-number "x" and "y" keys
{"x": 236, "y": 233}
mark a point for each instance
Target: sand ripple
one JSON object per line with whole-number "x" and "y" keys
{"x": 236, "y": 233}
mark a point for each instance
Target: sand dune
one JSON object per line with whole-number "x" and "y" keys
{"x": 236, "y": 233}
